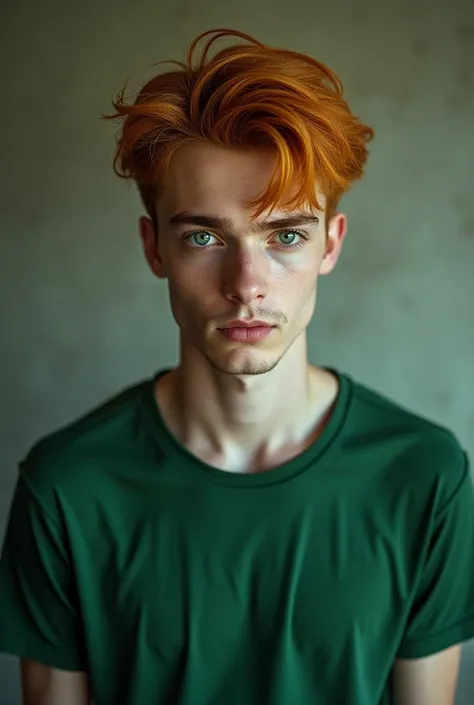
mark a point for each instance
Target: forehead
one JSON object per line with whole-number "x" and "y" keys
{"x": 213, "y": 179}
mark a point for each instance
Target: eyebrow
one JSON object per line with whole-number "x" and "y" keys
{"x": 216, "y": 223}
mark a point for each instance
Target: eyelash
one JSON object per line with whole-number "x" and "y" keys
{"x": 301, "y": 243}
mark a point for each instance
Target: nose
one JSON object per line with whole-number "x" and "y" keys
{"x": 245, "y": 276}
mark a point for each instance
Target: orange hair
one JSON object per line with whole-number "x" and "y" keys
{"x": 247, "y": 95}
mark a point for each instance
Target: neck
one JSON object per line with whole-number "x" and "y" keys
{"x": 244, "y": 421}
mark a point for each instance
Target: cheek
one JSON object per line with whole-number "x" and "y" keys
{"x": 183, "y": 291}
{"x": 189, "y": 295}
{"x": 298, "y": 292}
{"x": 301, "y": 263}
{"x": 190, "y": 271}
{"x": 297, "y": 281}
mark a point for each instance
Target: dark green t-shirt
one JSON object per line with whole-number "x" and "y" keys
{"x": 175, "y": 583}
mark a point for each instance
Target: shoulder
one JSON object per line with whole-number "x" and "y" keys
{"x": 62, "y": 459}
{"x": 424, "y": 454}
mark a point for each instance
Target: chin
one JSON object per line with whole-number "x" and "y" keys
{"x": 245, "y": 366}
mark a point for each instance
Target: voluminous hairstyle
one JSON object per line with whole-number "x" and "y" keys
{"x": 247, "y": 95}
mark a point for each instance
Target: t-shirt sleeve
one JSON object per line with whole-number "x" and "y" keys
{"x": 39, "y": 618}
{"x": 443, "y": 609}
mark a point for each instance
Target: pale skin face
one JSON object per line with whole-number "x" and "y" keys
{"x": 224, "y": 400}
{"x": 222, "y": 265}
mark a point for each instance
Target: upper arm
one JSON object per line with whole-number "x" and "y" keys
{"x": 431, "y": 680}
{"x": 441, "y": 612}
{"x": 40, "y": 616}
{"x": 43, "y": 685}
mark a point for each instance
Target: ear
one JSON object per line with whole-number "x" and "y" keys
{"x": 149, "y": 238}
{"x": 336, "y": 232}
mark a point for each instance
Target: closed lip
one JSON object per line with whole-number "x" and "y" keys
{"x": 247, "y": 324}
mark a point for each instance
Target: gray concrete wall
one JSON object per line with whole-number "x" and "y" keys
{"x": 80, "y": 314}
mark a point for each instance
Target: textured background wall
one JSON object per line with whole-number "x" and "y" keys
{"x": 80, "y": 314}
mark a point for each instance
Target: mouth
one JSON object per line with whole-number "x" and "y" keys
{"x": 246, "y": 331}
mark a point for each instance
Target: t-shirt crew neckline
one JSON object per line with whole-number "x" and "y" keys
{"x": 192, "y": 466}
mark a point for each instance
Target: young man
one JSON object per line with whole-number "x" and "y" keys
{"x": 244, "y": 529}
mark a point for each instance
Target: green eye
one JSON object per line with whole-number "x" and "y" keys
{"x": 200, "y": 238}
{"x": 287, "y": 238}
{"x": 291, "y": 238}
